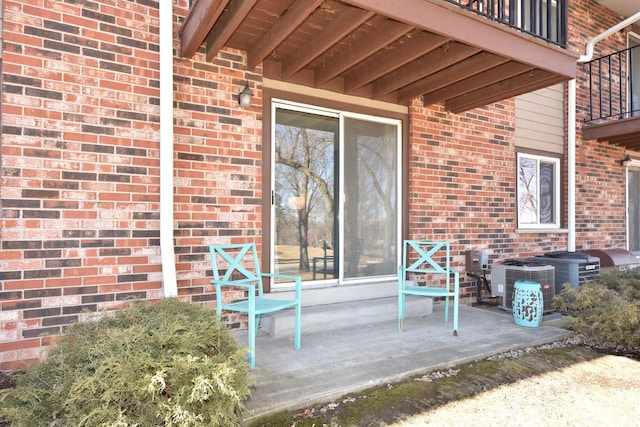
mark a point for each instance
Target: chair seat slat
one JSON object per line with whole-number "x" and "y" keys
{"x": 263, "y": 306}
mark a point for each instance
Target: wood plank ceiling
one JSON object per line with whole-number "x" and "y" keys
{"x": 380, "y": 49}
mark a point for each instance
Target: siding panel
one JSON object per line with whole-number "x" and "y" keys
{"x": 540, "y": 118}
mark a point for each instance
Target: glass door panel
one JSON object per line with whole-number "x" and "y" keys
{"x": 304, "y": 194}
{"x": 371, "y": 198}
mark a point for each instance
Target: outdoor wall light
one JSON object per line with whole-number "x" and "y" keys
{"x": 244, "y": 97}
{"x": 630, "y": 161}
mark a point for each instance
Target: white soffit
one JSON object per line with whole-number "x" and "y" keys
{"x": 625, "y": 8}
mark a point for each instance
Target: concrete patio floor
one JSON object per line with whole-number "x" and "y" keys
{"x": 341, "y": 360}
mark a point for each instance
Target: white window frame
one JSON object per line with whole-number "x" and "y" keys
{"x": 556, "y": 191}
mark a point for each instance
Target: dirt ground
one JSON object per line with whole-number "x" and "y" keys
{"x": 559, "y": 384}
{"x": 601, "y": 392}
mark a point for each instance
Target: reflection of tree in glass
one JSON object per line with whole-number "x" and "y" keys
{"x": 304, "y": 183}
{"x": 527, "y": 186}
{"x": 377, "y": 182}
{"x": 546, "y": 193}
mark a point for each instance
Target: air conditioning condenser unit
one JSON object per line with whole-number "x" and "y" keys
{"x": 505, "y": 275}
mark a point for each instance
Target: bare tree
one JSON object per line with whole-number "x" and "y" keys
{"x": 303, "y": 152}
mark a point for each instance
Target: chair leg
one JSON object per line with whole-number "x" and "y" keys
{"x": 252, "y": 338}
{"x": 455, "y": 314}
{"x": 446, "y": 309}
{"x": 258, "y": 317}
{"x": 296, "y": 338}
{"x": 401, "y": 298}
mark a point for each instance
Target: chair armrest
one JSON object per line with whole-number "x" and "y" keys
{"x": 281, "y": 276}
{"x": 456, "y": 278}
{"x": 249, "y": 284}
{"x": 296, "y": 280}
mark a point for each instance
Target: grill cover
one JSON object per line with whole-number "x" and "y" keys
{"x": 619, "y": 259}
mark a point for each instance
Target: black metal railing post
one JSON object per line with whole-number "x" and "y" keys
{"x": 635, "y": 104}
{"x": 620, "y": 77}
{"x": 590, "y": 90}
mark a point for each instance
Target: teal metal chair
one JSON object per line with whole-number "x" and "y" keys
{"x": 429, "y": 262}
{"x": 237, "y": 266}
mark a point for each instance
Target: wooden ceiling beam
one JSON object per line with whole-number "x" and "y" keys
{"x": 493, "y": 75}
{"x": 287, "y": 24}
{"x": 411, "y": 48}
{"x": 449, "y": 20}
{"x": 460, "y": 71}
{"x": 439, "y": 59}
{"x": 362, "y": 49}
{"x": 522, "y": 83}
{"x": 198, "y": 23}
{"x": 228, "y": 23}
{"x": 630, "y": 142}
{"x": 346, "y": 22}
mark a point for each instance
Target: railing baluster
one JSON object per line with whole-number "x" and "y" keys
{"x": 549, "y": 19}
{"x": 512, "y": 12}
{"x": 610, "y": 88}
{"x": 591, "y": 90}
{"x": 620, "y": 85}
{"x": 600, "y": 88}
{"x": 534, "y": 17}
{"x": 634, "y": 105}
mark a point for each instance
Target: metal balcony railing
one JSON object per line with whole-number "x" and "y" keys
{"x": 614, "y": 86}
{"x": 546, "y": 19}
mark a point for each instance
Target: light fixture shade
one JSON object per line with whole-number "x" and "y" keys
{"x": 630, "y": 161}
{"x": 244, "y": 97}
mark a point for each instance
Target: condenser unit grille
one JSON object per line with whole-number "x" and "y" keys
{"x": 543, "y": 276}
{"x": 575, "y": 271}
{"x": 588, "y": 271}
{"x": 504, "y": 277}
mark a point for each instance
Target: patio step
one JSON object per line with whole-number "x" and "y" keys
{"x": 344, "y": 314}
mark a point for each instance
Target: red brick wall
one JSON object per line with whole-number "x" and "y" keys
{"x": 463, "y": 185}
{"x": 80, "y": 165}
{"x": 80, "y": 168}
{"x": 600, "y": 179}
{"x": 218, "y": 165}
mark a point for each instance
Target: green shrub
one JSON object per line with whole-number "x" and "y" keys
{"x": 163, "y": 364}
{"x": 606, "y": 311}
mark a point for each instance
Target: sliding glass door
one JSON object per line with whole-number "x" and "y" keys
{"x": 335, "y": 199}
{"x": 370, "y": 228}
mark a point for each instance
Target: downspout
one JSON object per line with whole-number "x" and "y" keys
{"x": 571, "y": 136}
{"x": 571, "y": 185}
{"x": 169, "y": 283}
